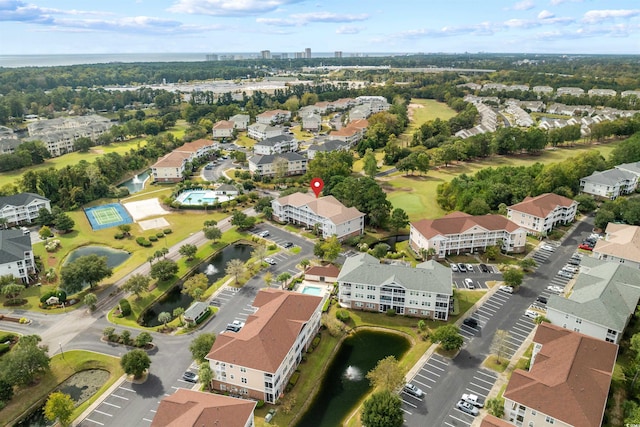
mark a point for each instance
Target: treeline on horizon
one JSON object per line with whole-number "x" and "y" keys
{"x": 603, "y": 71}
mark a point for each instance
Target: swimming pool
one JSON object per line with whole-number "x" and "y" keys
{"x": 312, "y": 290}
{"x": 199, "y": 197}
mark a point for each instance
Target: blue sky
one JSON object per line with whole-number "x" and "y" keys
{"x": 137, "y": 26}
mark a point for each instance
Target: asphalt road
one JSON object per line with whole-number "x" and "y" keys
{"x": 135, "y": 404}
{"x": 445, "y": 380}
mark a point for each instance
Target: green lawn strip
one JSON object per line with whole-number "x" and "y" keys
{"x": 301, "y": 135}
{"x": 315, "y": 368}
{"x": 28, "y": 398}
{"x": 75, "y": 157}
{"x": 138, "y": 305}
{"x": 244, "y": 141}
{"x": 417, "y": 194}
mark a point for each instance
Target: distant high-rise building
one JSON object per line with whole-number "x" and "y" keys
{"x": 212, "y": 57}
{"x": 266, "y": 54}
{"x": 284, "y": 55}
{"x": 338, "y": 54}
{"x": 307, "y": 52}
{"x": 299, "y": 55}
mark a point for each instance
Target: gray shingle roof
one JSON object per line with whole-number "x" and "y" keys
{"x": 274, "y": 140}
{"x": 630, "y": 167}
{"x": 21, "y": 199}
{"x": 609, "y": 177}
{"x": 428, "y": 276}
{"x": 606, "y": 294}
{"x": 259, "y": 159}
{"x": 13, "y": 245}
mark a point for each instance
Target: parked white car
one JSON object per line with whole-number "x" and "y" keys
{"x": 473, "y": 399}
{"x": 555, "y": 288}
{"x": 531, "y": 314}
{"x": 547, "y": 247}
{"x": 507, "y": 289}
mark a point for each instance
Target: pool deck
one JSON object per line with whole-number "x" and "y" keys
{"x": 325, "y": 288}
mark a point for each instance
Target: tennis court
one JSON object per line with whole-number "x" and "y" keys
{"x": 106, "y": 216}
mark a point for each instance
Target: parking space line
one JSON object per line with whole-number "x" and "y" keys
{"x": 153, "y": 410}
{"x": 492, "y": 305}
{"x": 404, "y": 410}
{"x": 111, "y": 404}
{"x": 429, "y": 379}
{"x": 459, "y": 419}
{"x": 482, "y": 316}
{"x": 408, "y": 403}
{"x": 103, "y": 413}
{"x": 96, "y": 422}
{"x": 488, "y": 309}
{"x": 488, "y": 374}
{"x": 435, "y": 367}
{"x": 176, "y": 388}
{"x": 147, "y": 419}
{"x": 484, "y": 388}
{"x": 519, "y": 333}
{"x": 422, "y": 384}
{"x": 490, "y": 383}
{"x": 447, "y": 424}
{"x": 478, "y": 393}
{"x": 435, "y": 359}
{"x": 119, "y": 397}
{"x": 127, "y": 389}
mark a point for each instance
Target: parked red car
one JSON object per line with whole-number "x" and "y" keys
{"x": 585, "y": 247}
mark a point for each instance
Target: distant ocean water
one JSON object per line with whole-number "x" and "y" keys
{"x": 14, "y": 61}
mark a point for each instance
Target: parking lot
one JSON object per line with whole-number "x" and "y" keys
{"x": 476, "y": 278}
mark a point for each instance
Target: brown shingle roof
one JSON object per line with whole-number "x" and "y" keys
{"x": 175, "y": 159}
{"x": 193, "y": 146}
{"x": 359, "y": 124}
{"x": 542, "y": 205}
{"x": 269, "y": 333}
{"x": 329, "y": 270}
{"x": 328, "y": 206}
{"x": 569, "y": 379}
{"x": 491, "y": 421}
{"x": 460, "y": 222}
{"x": 623, "y": 241}
{"x": 188, "y": 408}
{"x": 223, "y": 124}
{"x": 345, "y": 131}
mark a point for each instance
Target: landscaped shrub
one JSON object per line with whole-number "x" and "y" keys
{"x": 7, "y": 337}
{"x": 46, "y": 296}
{"x": 125, "y": 307}
{"x": 260, "y": 404}
{"x": 153, "y": 238}
{"x": 143, "y": 242}
{"x": 4, "y": 348}
{"x": 294, "y": 378}
{"x": 167, "y": 231}
{"x": 391, "y": 312}
{"x": 325, "y": 307}
{"x": 159, "y": 234}
{"x": 342, "y": 315}
{"x": 315, "y": 341}
{"x": 52, "y": 245}
{"x": 118, "y": 236}
{"x": 62, "y": 295}
{"x": 23, "y": 320}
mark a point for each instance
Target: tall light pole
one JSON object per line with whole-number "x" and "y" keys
{"x": 61, "y": 351}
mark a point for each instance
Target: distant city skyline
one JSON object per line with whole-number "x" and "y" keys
{"x": 291, "y": 26}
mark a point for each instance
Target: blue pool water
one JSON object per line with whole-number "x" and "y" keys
{"x": 312, "y": 290}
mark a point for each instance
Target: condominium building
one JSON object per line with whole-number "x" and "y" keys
{"x": 331, "y": 216}
{"x": 459, "y": 232}
{"x": 540, "y": 214}
{"x": 16, "y": 255}
{"x": 22, "y": 208}
{"x": 424, "y": 291}
{"x": 257, "y": 361}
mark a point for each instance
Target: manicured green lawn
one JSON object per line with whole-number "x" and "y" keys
{"x": 417, "y": 194}
{"x": 74, "y": 158}
{"x": 61, "y": 369}
{"x": 430, "y": 109}
{"x": 244, "y": 141}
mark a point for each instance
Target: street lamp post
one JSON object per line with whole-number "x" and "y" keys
{"x": 61, "y": 351}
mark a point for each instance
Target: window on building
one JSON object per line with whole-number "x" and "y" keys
{"x": 550, "y": 420}
{"x": 244, "y": 380}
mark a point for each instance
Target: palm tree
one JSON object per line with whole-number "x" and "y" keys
{"x": 284, "y": 277}
{"x": 164, "y": 318}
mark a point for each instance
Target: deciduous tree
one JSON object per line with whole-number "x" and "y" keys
{"x": 195, "y": 286}
{"x": 89, "y": 269}
{"x": 25, "y": 362}
{"x": 201, "y": 346}
{"x": 500, "y": 344}
{"x": 135, "y": 362}
{"x": 59, "y": 407}
{"x": 387, "y": 375}
{"x": 235, "y": 268}
{"x": 137, "y": 284}
{"x": 164, "y": 270}
{"x": 188, "y": 250}
{"x": 449, "y": 337}
{"x": 382, "y": 409}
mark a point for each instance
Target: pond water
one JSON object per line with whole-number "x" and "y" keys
{"x": 115, "y": 257}
{"x": 136, "y": 183}
{"x": 345, "y": 382}
{"x": 80, "y": 386}
{"x": 214, "y": 269}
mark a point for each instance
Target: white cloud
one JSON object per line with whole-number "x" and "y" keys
{"x": 347, "y": 29}
{"x": 228, "y": 7}
{"x": 523, "y": 5}
{"x": 597, "y": 16}
{"x": 278, "y": 22}
{"x": 329, "y": 17}
{"x": 545, "y": 14}
{"x": 557, "y": 2}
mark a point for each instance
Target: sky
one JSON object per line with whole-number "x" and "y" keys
{"x": 351, "y": 26}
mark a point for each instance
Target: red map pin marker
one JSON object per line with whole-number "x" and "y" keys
{"x": 316, "y": 185}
